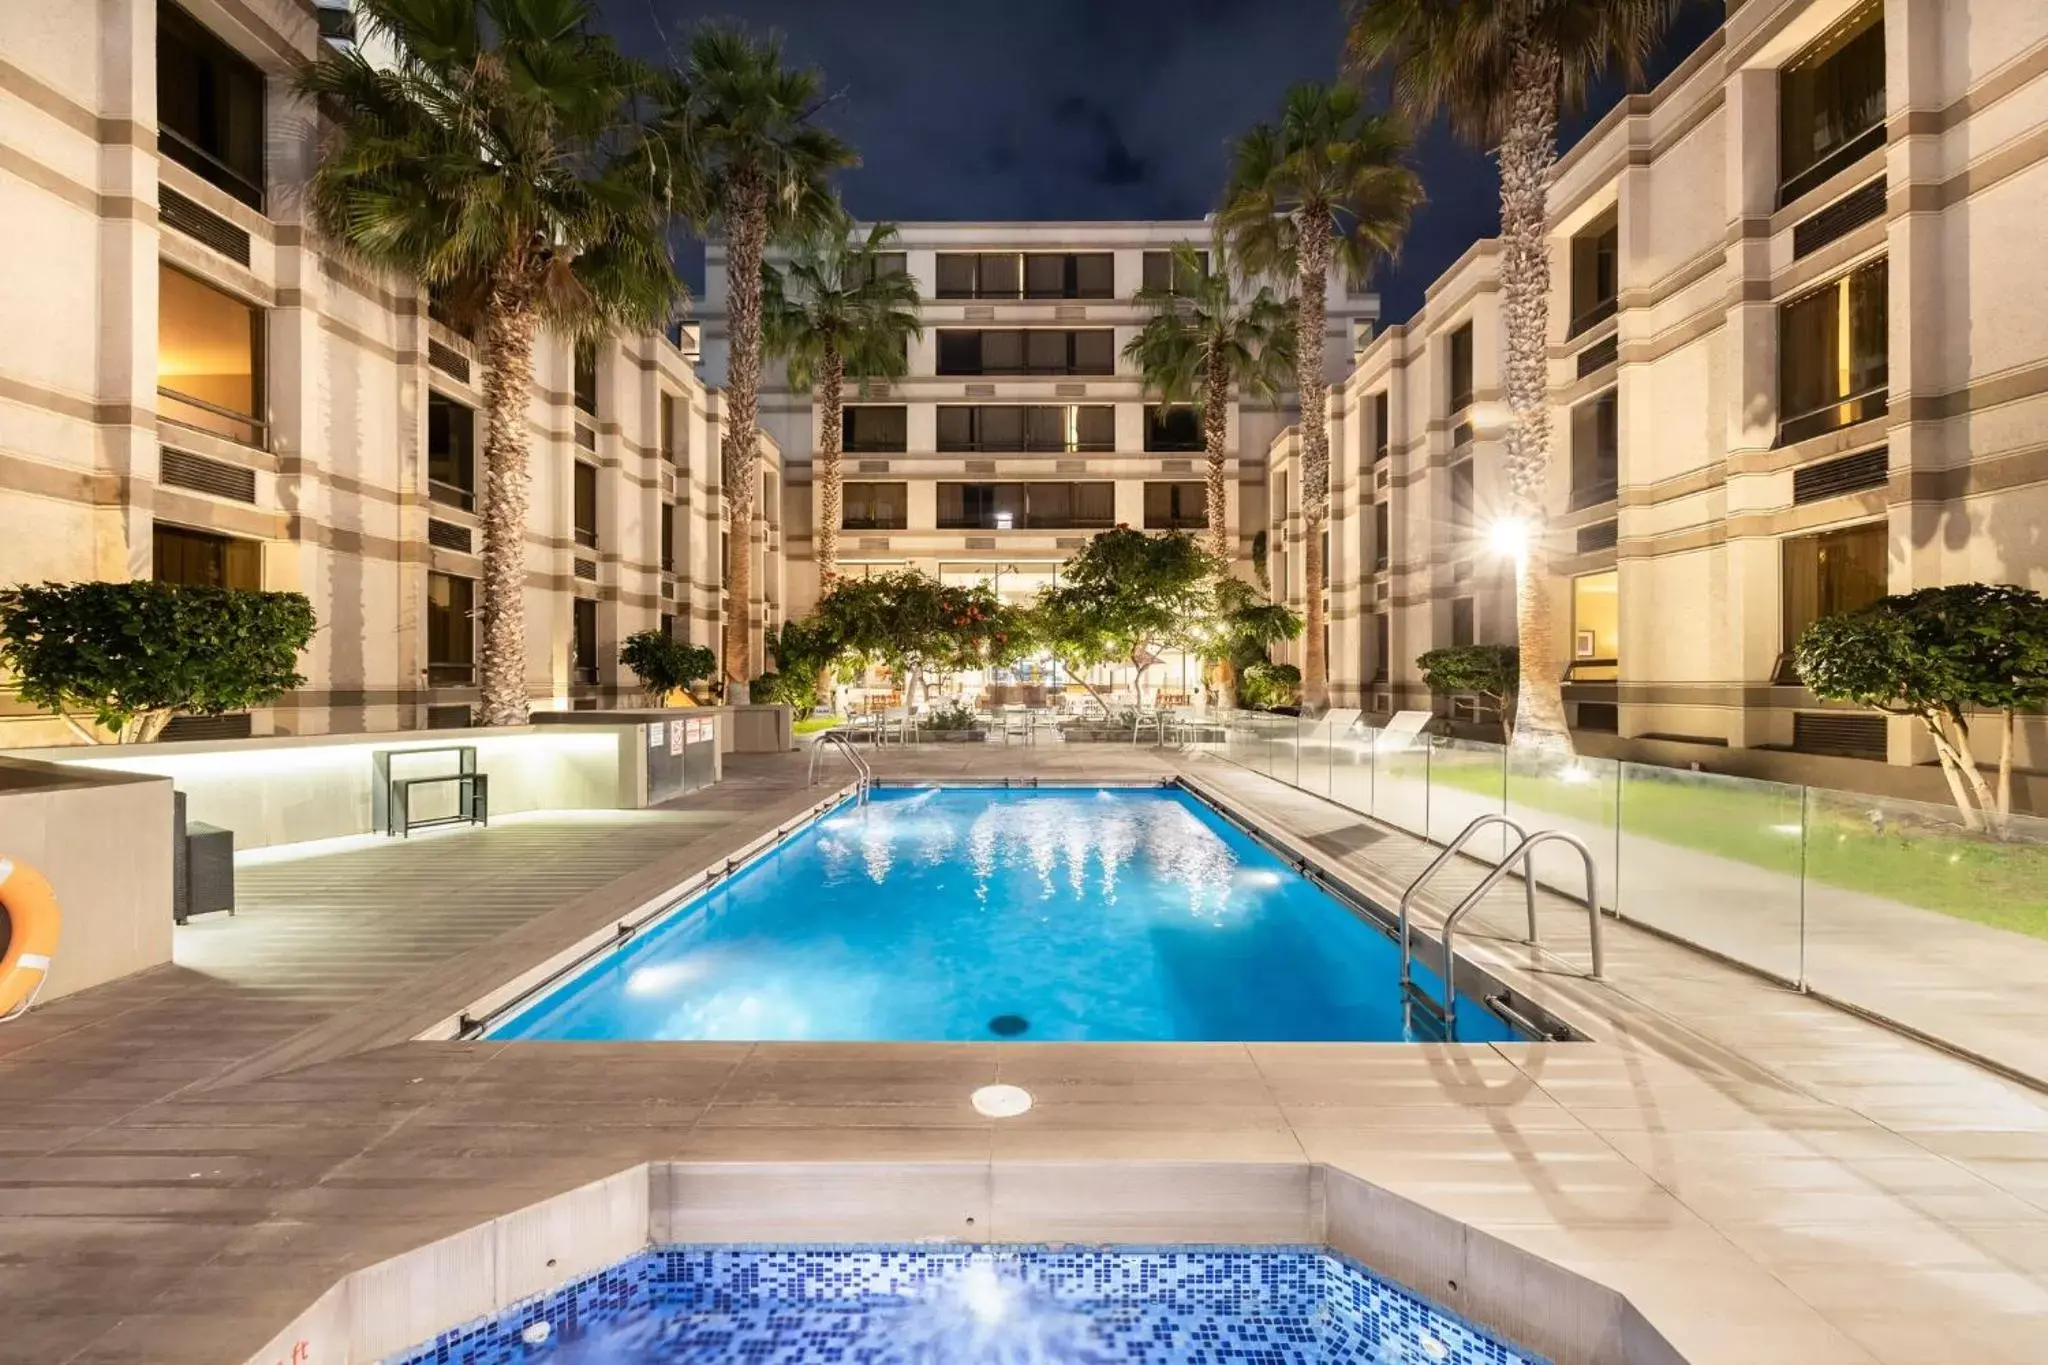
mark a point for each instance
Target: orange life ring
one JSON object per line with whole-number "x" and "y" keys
{"x": 30, "y": 908}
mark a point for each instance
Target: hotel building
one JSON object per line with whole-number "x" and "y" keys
{"x": 1020, "y": 430}
{"x": 192, "y": 389}
{"x": 1799, "y": 359}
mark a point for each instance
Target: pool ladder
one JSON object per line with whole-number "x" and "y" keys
{"x": 864, "y": 776}
{"x": 1445, "y": 1011}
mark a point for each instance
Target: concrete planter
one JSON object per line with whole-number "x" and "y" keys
{"x": 952, "y": 736}
{"x": 1096, "y": 734}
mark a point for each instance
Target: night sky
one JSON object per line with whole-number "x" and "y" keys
{"x": 1084, "y": 109}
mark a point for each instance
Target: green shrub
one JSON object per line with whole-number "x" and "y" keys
{"x": 949, "y": 715}
{"x": 798, "y": 692}
{"x": 1265, "y": 685}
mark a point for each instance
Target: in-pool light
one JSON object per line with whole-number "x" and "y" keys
{"x": 1001, "y": 1101}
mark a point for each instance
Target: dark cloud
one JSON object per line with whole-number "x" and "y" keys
{"x": 966, "y": 109}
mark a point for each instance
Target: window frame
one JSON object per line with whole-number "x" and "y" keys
{"x": 448, "y": 492}
{"x": 235, "y": 78}
{"x": 1175, "y": 517}
{"x": 237, "y": 557}
{"x": 584, "y": 475}
{"x": 1835, "y": 412}
{"x": 848, "y": 522}
{"x": 252, "y": 423}
{"x": 449, "y": 671}
{"x": 1462, "y": 354}
{"x": 889, "y": 445}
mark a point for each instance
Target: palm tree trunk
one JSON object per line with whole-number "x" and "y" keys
{"x": 1313, "y": 389}
{"x": 509, "y": 328}
{"x": 740, "y": 462}
{"x": 1526, "y": 156}
{"x": 1215, "y": 440}
{"x": 831, "y": 403}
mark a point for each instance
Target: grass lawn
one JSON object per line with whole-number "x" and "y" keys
{"x": 810, "y": 725}
{"x": 1940, "y": 868}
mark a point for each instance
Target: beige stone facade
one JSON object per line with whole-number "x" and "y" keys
{"x": 1798, "y": 359}
{"x": 190, "y": 386}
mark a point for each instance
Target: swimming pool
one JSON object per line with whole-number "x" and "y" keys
{"x": 976, "y": 1305}
{"x": 973, "y": 913}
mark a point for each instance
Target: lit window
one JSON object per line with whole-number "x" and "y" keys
{"x": 209, "y": 348}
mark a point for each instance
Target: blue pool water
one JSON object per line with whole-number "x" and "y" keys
{"x": 957, "y": 914}
{"x": 962, "y": 1305}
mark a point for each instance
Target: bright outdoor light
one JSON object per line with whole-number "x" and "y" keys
{"x": 1001, "y": 1101}
{"x": 1508, "y": 536}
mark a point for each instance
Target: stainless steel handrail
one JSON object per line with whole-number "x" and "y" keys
{"x": 863, "y": 774}
{"x": 1521, "y": 854}
{"x": 1408, "y": 896}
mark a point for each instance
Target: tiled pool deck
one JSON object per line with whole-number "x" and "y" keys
{"x": 188, "y": 1158}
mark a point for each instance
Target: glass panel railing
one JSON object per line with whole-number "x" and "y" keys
{"x": 1713, "y": 860}
{"x": 1400, "y": 781}
{"x": 1914, "y": 917}
{"x": 1312, "y": 754}
{"x": 1351, "y": 768}
{"x": 1467, "y": 779}
{"x": 1579, "y": 796}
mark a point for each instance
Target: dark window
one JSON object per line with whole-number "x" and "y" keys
{"x": 668, "y": 625}
{"x": 451, "y": 628}
{"x": 1163, "y": 272}
{"x": 875, "y": 428}
{"x": 1596, "y": 450}
{"x": 1461, "y": 369}
{"x": 1831, "y": 102}
{"x": 668, "y": 536}
{"x": 209, "y": 106}
{"x": 1382, "y": 425}
{"x": 201, "y": 560}
{"x": 1174, "y": 426}
{"x": 883, "y": 264}
{"x": 1011, "y": 427}
{"x": 724, "y": 559}
{"x": 1382, "y": 545}
{"x": 668, "y": 427}
{"x": 209, "y": 353}
{"x": 585, "y": 662}
{"x": 451, "y": 451}
{"x": 1833, "y": 348}
{"x": 1382, "y": 647}
{"x": 1461, "y": 622}
{"x": 586, "y": 504}
{"x": 1026, "y": 506}
{"x": 1176, "y": 506}
{"x": 1461, "y": 495}
{"x": 586, "y": 377}
{"x": 1032, "y": 275}
{"x": 1595, "y": 274}
{"x": 1033, "y": 352}
{"x": 874, "y": 507}
{"x": 1833, "y": 572}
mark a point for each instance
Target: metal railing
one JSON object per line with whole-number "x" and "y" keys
{"x": 864, "y": 776}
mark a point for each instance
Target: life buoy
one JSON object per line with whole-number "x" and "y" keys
{"x": 32, "y": 921}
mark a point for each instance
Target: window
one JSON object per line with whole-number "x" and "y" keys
{"x": 668, "y": 537}
{"x": 1596, "y": 450}
{"x": 1176, "y": 506}
{"x": 668, "y": 626}
{"x": 1382, "y": 425}
{"x": 1595, "y": 273}
{"x": 1382, "y": 647}
{"x": 881, "y": 265}
{"x": 201, "y": 560}
{"x": 1382, "y": 544}
{"x": 1026, "y": 506}
{"x": 209, "y": 350}
{"x": 1033, "y": 352}
{"x": 451, "y": 629}
{"x": 875, "y": 428}
{"x": 1461, "y": 622}
{"x": 1461, "y": 370}
{"x": 451, "y": 452}
{"x": 1596, "y": 627}
{"x": 874, "y": 507}
{"x": 586, "y": 377}
{"x": 1833, "y": 347}
{"x": 1033, "y": 275}
{"x": 1461, "y": 497}
{"x": 209, "y": 106}
{"x": 1071, "y": 428}
{"x": 668, "y": 427}
{"x": 1831, "y": 102}
{"x": 1175, "y": 426}
{"x": 1832, "y": 572}
{"x": 586, "y": 504}
{"x": 725, "y": 559}
{"x": 1162, "y": 271}
{"x": 585, "y": 661}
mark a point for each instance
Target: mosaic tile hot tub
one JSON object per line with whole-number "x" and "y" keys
{"x": 961, "y": 1305}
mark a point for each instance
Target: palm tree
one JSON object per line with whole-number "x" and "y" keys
{"x": 1503, "y": 70}
{"x": 1203, "y": 338}
{"x": 500, "y": 160}
{"x": 1326, "y": 185}
{"x": 747, "y": 126}
{"x": 831, "y": 311}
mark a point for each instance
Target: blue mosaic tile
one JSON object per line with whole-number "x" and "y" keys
{"x": 975, "y": 1305}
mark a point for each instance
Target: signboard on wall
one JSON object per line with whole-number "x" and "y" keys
{"x": 655, "y": 731}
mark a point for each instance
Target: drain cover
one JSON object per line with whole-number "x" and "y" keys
{"x": 1008, "y": 1025}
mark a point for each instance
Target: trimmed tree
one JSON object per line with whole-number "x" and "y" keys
{"x": 664, "y": 664}
{"x": 912, "y": 623}
{"x": 1503, "y": 70}
{"x": 1489, "y": 671}
{"x": 497, "y": 155}
{"x": 1127, "y": 597}
{"x": 832, "y": 312}
{"x": 1937, "y": 655}
{"x": 747, "y": 126}
{"x": 1247, "y": 626}
{"x": 132, "y": 655}
{"x": 1327, "y": 185}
